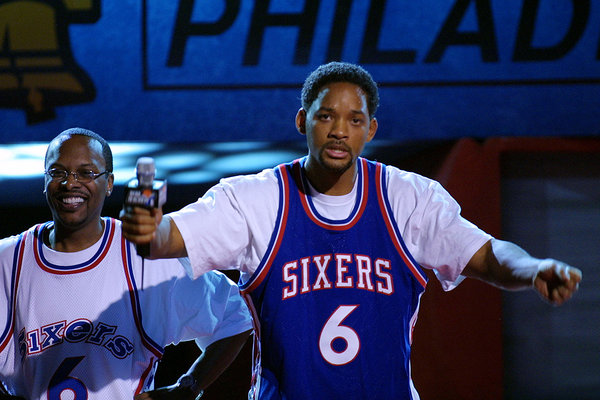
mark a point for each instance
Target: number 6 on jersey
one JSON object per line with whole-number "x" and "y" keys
{"x": 332, "y": 330}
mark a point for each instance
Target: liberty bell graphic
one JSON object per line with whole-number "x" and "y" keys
{"x": 37, "y": 69}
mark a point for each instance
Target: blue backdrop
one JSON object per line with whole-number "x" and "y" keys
{"x": 218, "y": 70}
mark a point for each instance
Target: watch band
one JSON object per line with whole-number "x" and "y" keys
{"x": 189, "y": 382}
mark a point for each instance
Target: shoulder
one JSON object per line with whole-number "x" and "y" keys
{"x": 415, "y": 199}
{"x": 237, "y": 193}
{"x": 410, "y": 183}
{"x": 8, "y": 244}
{"x": 265, "y": 179}
{"x": 247, "y": 190}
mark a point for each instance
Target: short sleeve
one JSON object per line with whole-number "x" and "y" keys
{"x": 179, "y": 308}
{"x": 434, "y": 231}
{"x": 230, "y": 226}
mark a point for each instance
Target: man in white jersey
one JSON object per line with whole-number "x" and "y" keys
{"x": 82, "y": 319}
{"x": 331, "y": 250}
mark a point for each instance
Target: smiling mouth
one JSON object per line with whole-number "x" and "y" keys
{"x": 72, "y": 201}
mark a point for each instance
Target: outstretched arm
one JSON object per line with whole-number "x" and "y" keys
{"x": 205, "y": 370}
{"x": 142, "y": 226}
{"x": 507, "y": 266}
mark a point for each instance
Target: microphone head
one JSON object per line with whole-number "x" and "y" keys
{"x": 145, "y": 170}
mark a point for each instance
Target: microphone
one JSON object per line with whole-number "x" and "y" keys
{"x": 145, "y": 191}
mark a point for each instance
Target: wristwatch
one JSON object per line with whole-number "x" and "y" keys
{"x": 190, "y": 383}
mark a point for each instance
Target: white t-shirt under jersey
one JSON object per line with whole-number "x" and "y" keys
{"x": 231, "y": 225}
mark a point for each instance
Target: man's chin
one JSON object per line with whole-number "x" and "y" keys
{"x": 70, "y": 222}
{"x": 335, "y": 165}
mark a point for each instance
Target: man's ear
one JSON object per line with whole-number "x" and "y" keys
{"x": 373, "y": 125}
{"x": 111, "y": 182}
{"x": 301, "y": 121}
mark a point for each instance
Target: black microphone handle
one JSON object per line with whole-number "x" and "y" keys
{"x": 143, "y": 250}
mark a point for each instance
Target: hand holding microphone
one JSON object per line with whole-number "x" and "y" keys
{"x": 145, "y": 191}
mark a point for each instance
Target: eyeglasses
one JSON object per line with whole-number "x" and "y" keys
{"x": 81, "y": 176}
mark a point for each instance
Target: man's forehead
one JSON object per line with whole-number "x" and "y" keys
{"x": 327, "y": 91}
{"x": 82, "y": 141}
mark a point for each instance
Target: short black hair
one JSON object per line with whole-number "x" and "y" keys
{"x": 340, "y": 72}
{"x": 106, "y": 151}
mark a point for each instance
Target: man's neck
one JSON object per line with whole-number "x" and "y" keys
{"x": 66, "y": 240}
{"x": 332, "y": 183}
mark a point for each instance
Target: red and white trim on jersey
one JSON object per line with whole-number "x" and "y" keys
{"x": 16, "y": 272}
{"x": 142, "y": 384}
{"x": 387, "y": 213}
{"x": 276, "y": 237}
{"x": 135, "y": 301}
{"x": 362, "y": 197}
{"x": 275, "y": 242}
{"x": 38, "y": 243}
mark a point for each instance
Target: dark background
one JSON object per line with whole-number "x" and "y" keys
{"x": 497, "y": 99}
{"x": 474, "y": 342}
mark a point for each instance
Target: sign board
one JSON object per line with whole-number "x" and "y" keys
{"x": 231, "y": 70}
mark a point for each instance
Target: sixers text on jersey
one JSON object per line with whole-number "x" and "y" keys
{"x": 351, "y": 271}
{"x": 40, "y": 339}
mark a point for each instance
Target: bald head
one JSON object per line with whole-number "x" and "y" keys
{"x": 67, "y": 134}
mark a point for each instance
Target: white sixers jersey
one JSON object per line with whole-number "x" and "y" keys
{"x": 76, "y": 331}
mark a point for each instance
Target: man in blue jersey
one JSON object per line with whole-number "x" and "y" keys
{"x": 332, "y": 248}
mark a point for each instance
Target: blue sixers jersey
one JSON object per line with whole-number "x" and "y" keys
{"x": 335, "y": 301}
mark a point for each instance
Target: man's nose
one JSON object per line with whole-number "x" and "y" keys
{"x": 338, "y": 129}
